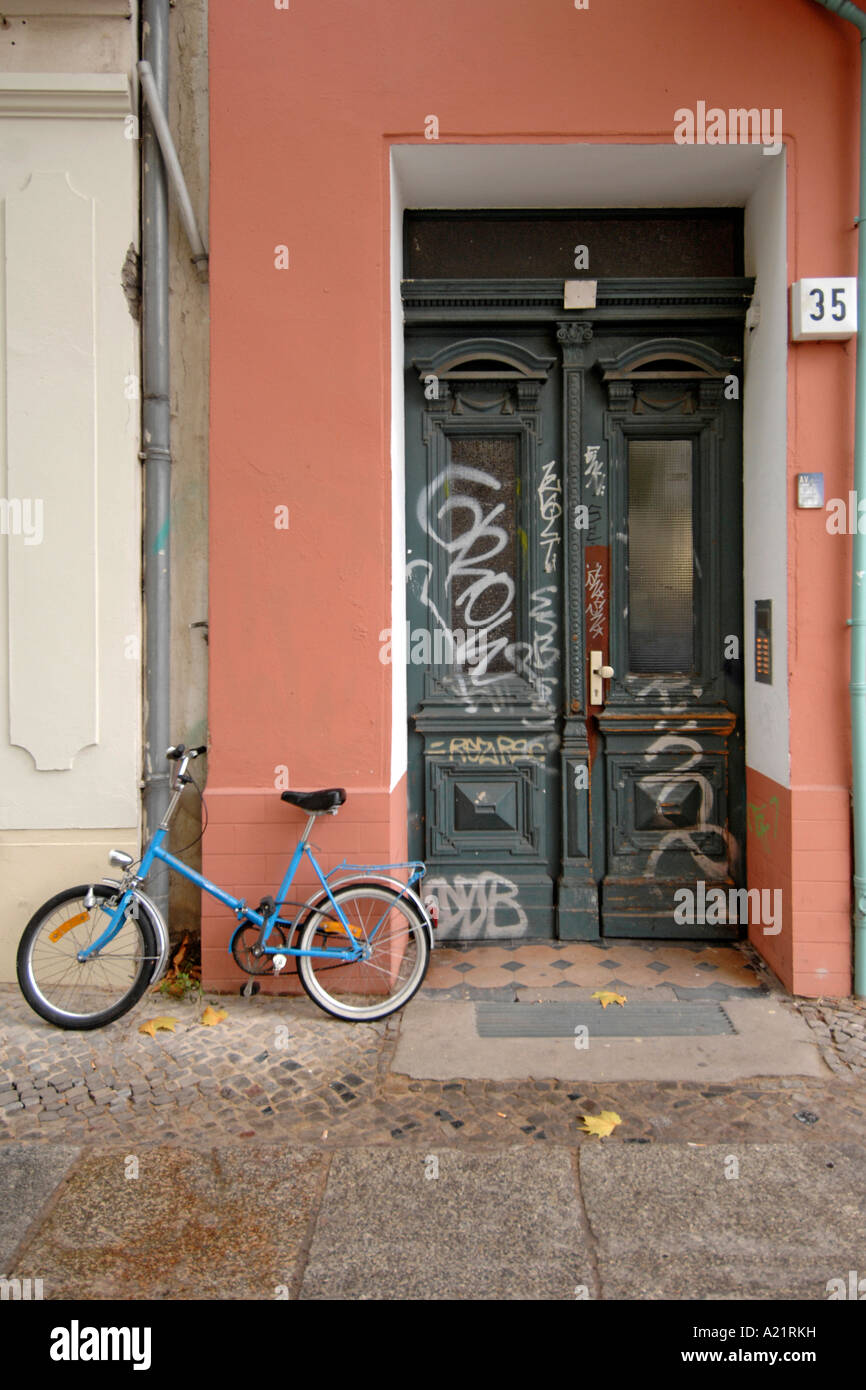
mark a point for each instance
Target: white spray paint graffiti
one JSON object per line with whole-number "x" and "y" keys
{"x": 485, "y": 904}
{"x": 543, "y": 656}
{"x": 499, "y": 751}
{"x": 550, "y": 502}
{"x": 596, "y": 601}
{"x": 594, "y": 469}
{"x": 660, "y": 785}
{"x": 469, "y": 555}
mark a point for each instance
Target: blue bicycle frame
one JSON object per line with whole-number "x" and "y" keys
{"x": 245, "y": 914}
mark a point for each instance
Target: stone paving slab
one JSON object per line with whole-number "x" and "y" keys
{"x": 610, "y": 1221}
{"x": 405, "y": 1225}
{"x": 441, "y": 1039}
{"x": 669, "y": 1224}
{"x": 221, "y": 1224}
{"x": 28, "y": 1177}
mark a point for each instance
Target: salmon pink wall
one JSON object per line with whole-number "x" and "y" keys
{"x": 305, "y": 104}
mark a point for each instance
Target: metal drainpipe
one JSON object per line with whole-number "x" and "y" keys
{"x": 156, "y": 443}
{"x": 857, "y": 621}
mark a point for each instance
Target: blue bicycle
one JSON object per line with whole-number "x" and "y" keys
{"x": 363, "y": 941}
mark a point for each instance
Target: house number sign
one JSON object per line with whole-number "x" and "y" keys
{"x": 824, "y": 308}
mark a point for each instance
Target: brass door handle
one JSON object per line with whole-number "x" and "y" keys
{"x": 598, "y": 672}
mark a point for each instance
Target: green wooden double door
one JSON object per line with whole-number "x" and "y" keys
{"x": 574, "y": 607}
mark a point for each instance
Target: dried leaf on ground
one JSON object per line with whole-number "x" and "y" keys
{"x": 609, "y": 996}
{"x": 164, "y": 1021}
{"x": 212, "y": 1016}
{"x": 601, "y": 1125}
{"x": 180, "y": 952}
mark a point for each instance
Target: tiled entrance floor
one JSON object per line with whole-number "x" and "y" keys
{"x": 660, "y": 969}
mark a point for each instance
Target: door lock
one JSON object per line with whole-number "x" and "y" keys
{"x": 598, "y": 673}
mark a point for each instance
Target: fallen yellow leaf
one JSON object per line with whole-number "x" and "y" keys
{"x": 601, "y": 1125}
{"x": 608, "y": 996}
{"x": 212, "y": 1016}
{"x": 154, "y": 1023}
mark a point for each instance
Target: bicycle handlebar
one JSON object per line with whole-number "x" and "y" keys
{"x": 178, "y": 751}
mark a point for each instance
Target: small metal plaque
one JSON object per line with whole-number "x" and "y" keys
{"x": 810, "y": 489}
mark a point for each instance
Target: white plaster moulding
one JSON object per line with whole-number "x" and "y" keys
{"x": 70, "y": 95}
{"x": 66, "y": 9}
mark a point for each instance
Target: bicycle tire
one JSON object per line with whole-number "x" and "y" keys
{"x": 132, "y": 979}
{"x": 395, "y": 970}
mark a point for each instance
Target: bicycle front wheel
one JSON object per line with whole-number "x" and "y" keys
{"x": 84, "y": 994}
{"x": 395, "y": 948}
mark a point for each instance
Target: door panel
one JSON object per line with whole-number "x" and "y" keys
{"x": 483, "y": 572}
{"x": 670, "y": 725}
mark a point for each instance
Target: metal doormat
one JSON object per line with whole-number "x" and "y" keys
{"x": 662, "y": 1020}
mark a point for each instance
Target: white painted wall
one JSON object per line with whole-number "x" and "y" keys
{"x": 765, "y": 490}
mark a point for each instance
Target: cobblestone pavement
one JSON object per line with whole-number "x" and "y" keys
{"x": 279, "y": 1069}
{"x": 840, "y": 1025}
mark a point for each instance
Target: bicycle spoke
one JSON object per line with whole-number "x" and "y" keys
{"x": 63, "y": 984}
{"x": 391, "y": 968}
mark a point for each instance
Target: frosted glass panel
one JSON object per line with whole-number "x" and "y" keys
{"x": 660, "y": 564}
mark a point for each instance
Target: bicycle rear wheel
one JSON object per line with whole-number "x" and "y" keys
{"x": 396, "y": 953}
{"x": 84, "y": 994}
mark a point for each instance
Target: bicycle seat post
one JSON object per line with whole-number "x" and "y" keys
{"x": 307, "y": 829}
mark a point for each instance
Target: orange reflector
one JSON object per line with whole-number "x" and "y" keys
{"x": 330, "y": 927}
{"x": 67, "y": 926}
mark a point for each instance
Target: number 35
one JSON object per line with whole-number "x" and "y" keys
{"x": 837, "y": 301}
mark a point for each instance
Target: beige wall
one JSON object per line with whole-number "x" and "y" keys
{"x": 70, "y": 689}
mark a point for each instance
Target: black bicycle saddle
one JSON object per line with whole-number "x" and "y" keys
{"x": 316, "y": 801}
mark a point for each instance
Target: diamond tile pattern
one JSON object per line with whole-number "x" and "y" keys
{"x": 589, "y": 965}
